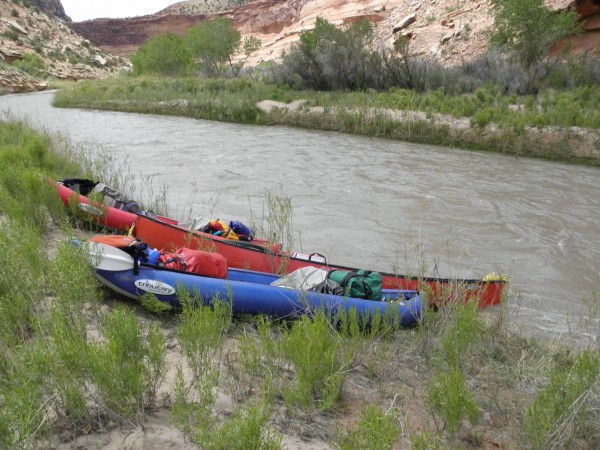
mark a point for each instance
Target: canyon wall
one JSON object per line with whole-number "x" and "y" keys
{"x": 123, "y": 36}
{"x": 589, "y": 41}
{"x": 52, "y": 8}
{"x": 445, "y": 29}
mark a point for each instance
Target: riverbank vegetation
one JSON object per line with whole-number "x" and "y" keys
{"x": 81, "y": 366}
{"x": 518, "y": 98}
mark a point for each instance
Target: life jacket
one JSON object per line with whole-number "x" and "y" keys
{"x": 114, "y": 240}
{"x": 220, "y": 228}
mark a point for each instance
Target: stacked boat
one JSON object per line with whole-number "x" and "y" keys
{"x": 252, "y": 268}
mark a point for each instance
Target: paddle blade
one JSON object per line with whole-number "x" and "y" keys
{"x": 105, "y": 257}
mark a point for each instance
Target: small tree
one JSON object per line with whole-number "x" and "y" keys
{"x": 216, "y": 43}
{"x": 352, "y": 63}
{"x": 303, "y": 59}
{"x": 249, "y": 45}
{"x": 405, "y": 69}
{"x": 328, "y": 58}
{"x": 527, "y": 29}
{"x": 163, "y": 55}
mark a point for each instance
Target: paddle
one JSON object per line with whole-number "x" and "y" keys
{"x": 105, "y": 257}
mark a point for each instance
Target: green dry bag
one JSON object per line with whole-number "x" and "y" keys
{"x": 358, "y": 283}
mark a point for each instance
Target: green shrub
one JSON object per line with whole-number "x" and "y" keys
{"x": 449, "y": 397}
{"x": 426, "y": 441}
{"x": 67, "y": 356}
{"x": 63, "y": 364}
{"x": 22, "y": 412}
{"x": 459, "y": 331}
{"x": 246, "y": 429}
{"x": 462, "y": 332}
{"x": 554, "y": 418}
{"x": 10, "y": 34}
{"x": 192, "y": 407}
{"x": 257, "y": 359}
{"x": 162, "y": 55}
{"x": 127, "y": 368}
{"x": 20, "y": 287}
{"x": 328, "y": 58}
{"x": 375, "y": 430}
{"x": 314, "y": 351}
{"x": 482, "y": 117}
{"x": 31, "y": 63}
{"x": 201, "y": 330}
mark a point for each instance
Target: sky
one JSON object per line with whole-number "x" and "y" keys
{"x": 79, "y": 10}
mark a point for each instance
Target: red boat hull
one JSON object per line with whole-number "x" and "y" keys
{"x": 106, "y": 216}
{"x": 248, "y": 256}
{"x": 117, "y": 219}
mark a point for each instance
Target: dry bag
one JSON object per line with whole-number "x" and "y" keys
{"x": 358, "y": 283}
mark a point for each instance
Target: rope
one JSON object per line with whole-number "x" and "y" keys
{"x": 495, "y": 277}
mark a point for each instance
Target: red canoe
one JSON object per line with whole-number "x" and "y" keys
{"x": 245, "y": 255}
{"x": 121, "y": 220}
{"x": 116, "y": 219}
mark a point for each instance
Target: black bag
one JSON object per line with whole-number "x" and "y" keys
{"x": 81, "y": 185}
{"x": 110, "y": 196}
{"x": 116, "y": 199}
{"x": 328, "y": 287}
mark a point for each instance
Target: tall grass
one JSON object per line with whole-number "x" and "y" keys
{"x": 496, "y": 120}
{"x": 558, "y": 414}
{"x": 317, "y": 362}
{"x": 275, "y": 222}
{"x": 460, "y": 330}
{"x": 376, "y": 429}
{"x": 26, "y": 206}
{"x": 54, "y": 377}
{"x": 20, "y": 286}
{"x": 70, "y": 365}
{"x": 127, "y": 366}
{"x": 200, "y": 334}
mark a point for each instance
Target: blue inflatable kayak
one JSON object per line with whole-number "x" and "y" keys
{"x": 250, "y": 292}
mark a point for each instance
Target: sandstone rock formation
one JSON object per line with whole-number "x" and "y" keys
{"x": 14, "y": 81}
{"x": 52, "y": 8}
{"x": 194, "y": 7}
{"x": 589, "y": 41}
{"x": 124, "y": 36}
{"x": 28, "y": 32}
{"x": 449, "y": 30}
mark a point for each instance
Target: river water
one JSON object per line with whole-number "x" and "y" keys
{"x": 370, "y": 203}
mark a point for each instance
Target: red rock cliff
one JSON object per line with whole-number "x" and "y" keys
{"x": 589, "y": 40}
{"x": 124, "y": 36}
{"x": 442, "y": 29}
